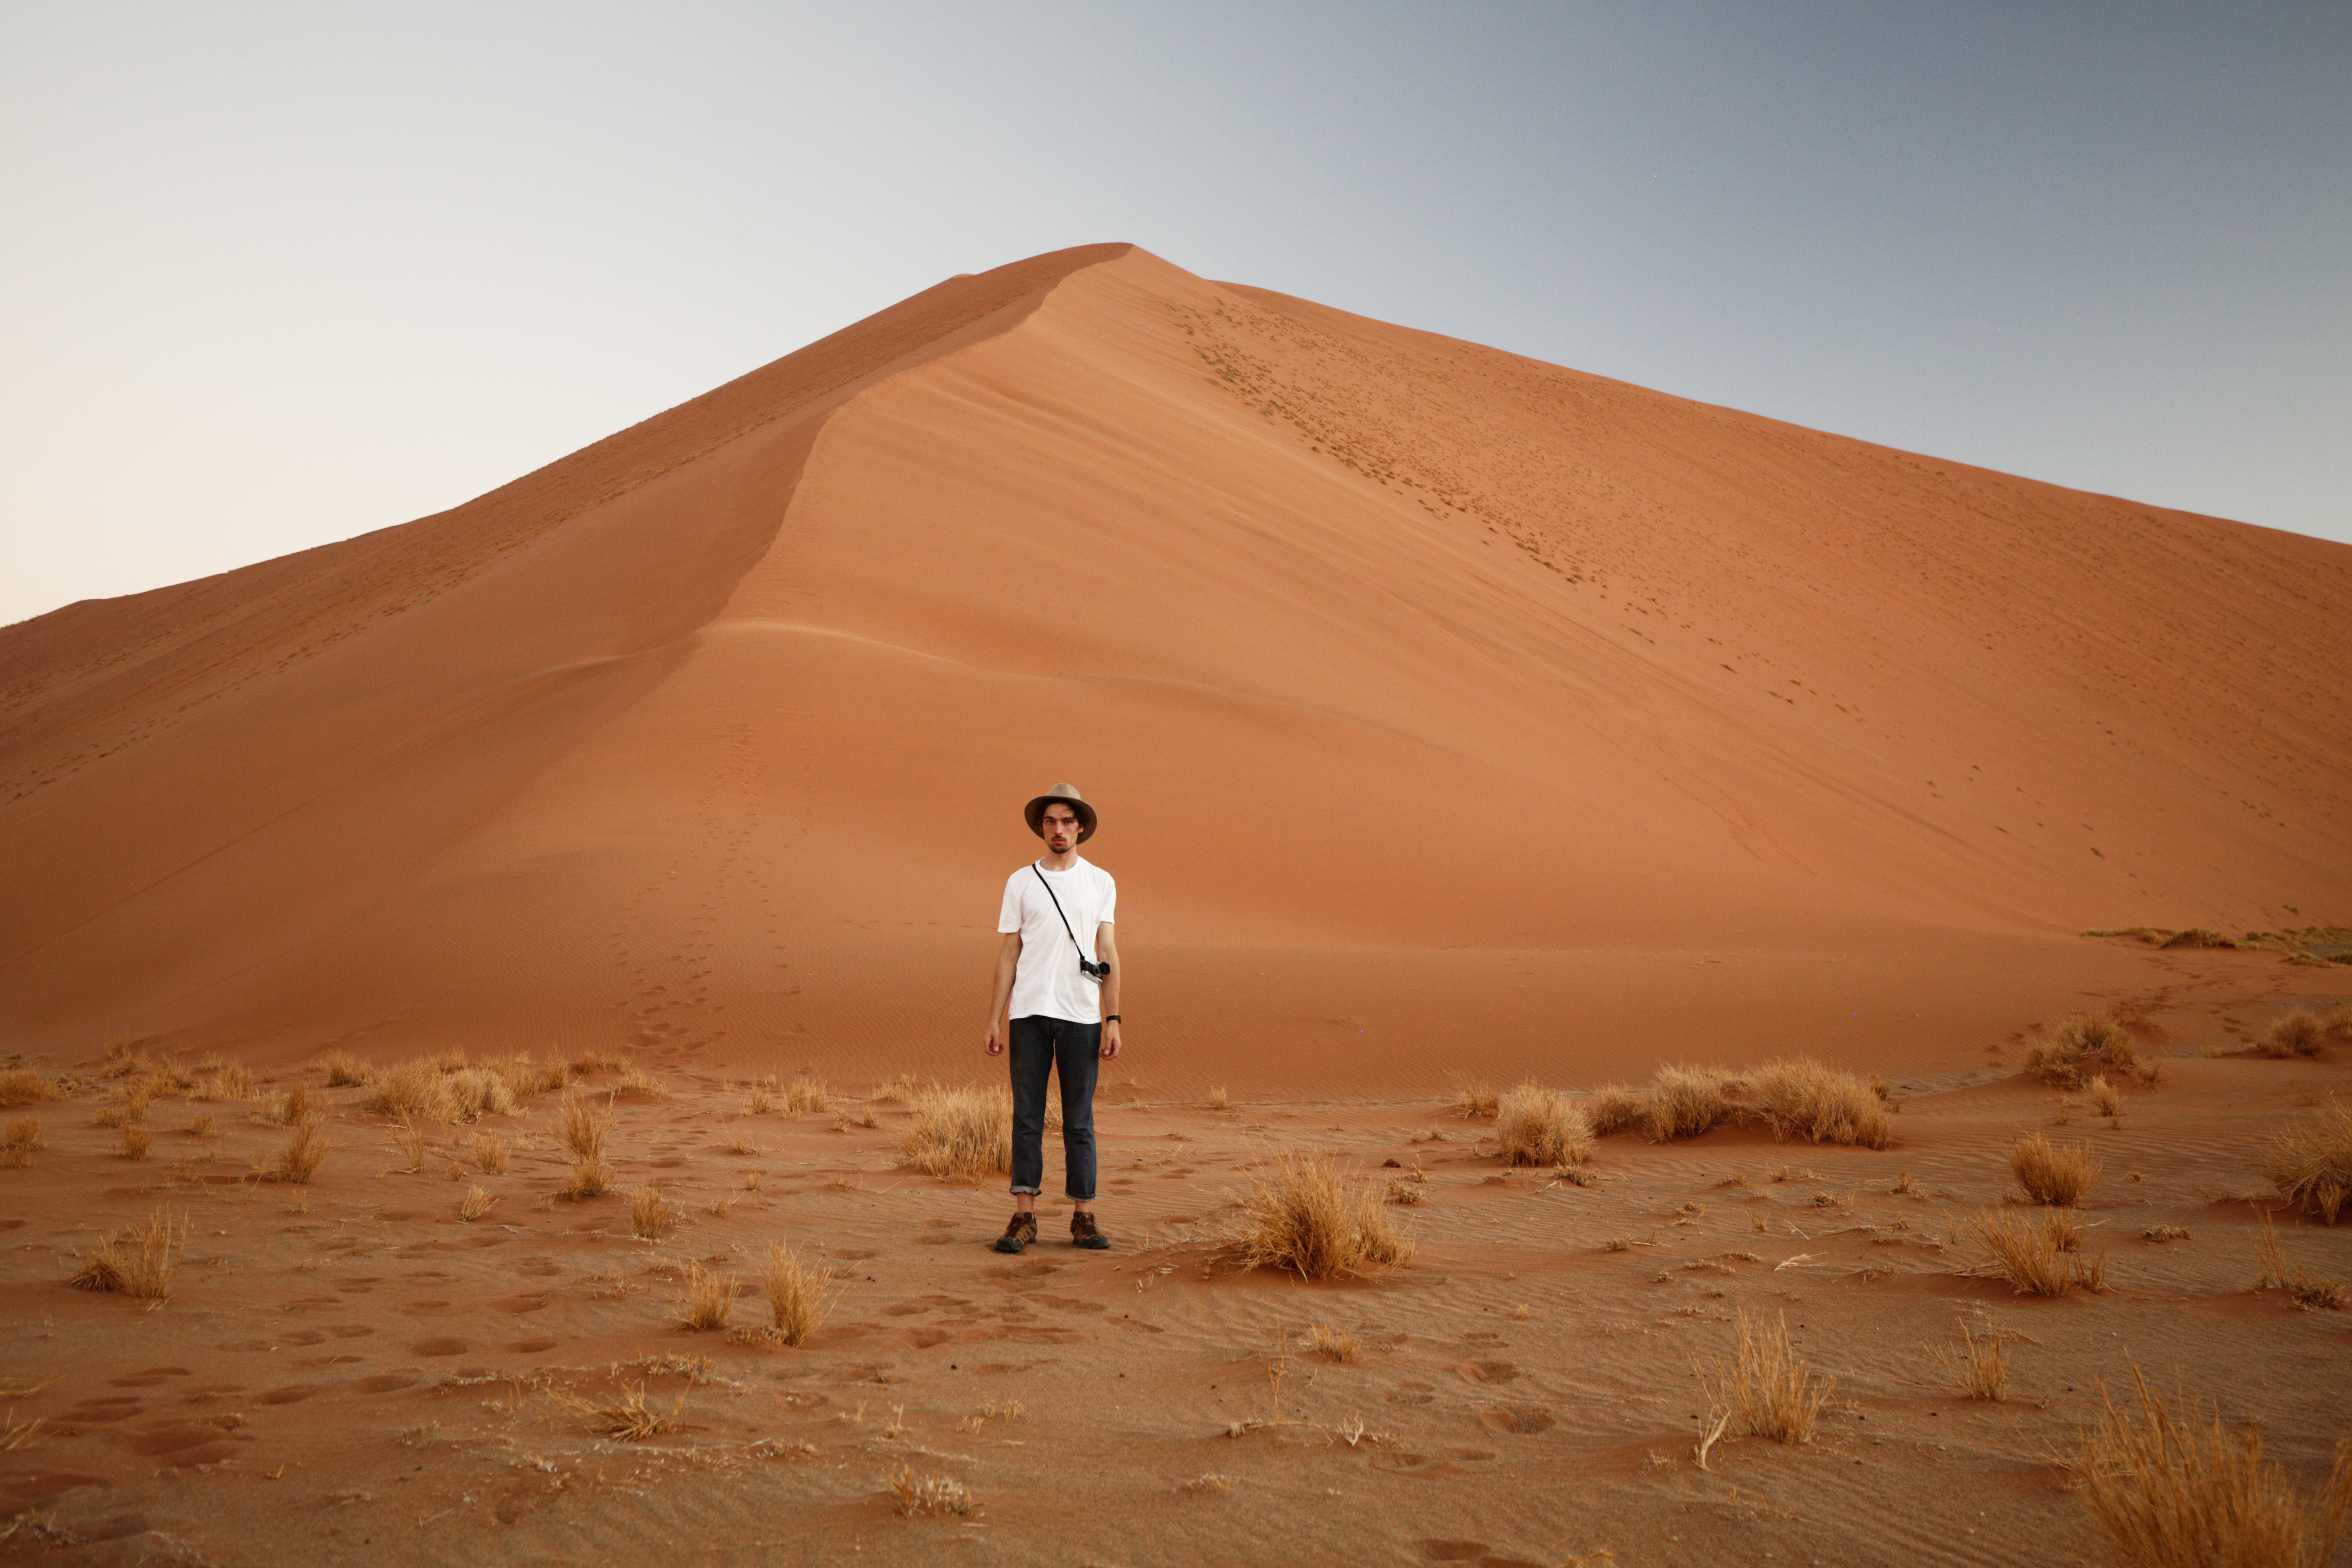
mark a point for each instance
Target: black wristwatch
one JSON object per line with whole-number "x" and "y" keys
{"x": 1110, "y": 1017}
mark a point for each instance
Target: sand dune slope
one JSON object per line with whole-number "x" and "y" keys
{"x": 1448, "y": 711}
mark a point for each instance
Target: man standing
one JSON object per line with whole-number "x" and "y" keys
{"x": 1057, "y": 979}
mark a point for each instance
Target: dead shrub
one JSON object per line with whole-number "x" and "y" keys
{"x": 649, "y": 1214}
{"x": 526, "y": 1079}
{"x": 896, "y": 1091}
{"x": 928, "y": 1494}
{"x": 2310, "y": 1162}
{"x": 19, "y": 1144}
{"x": 636, "y": 1080}
{"x": 629, "y": 1418}
{"x": 709, "y": 1297}
{"x": 22, "y": 1086}
{"x": 1684, "y": 1101}
{"x": 965, "y": 1132}
{"x": 797, "y": 1298}
{"x": 2067, "y": 1052}
{"x": 1804, "y": 1098}
{"x": 135, "y": 1141}
{"x": 1218, "y": 1099}
{"x": 581, "y": 1126}
{"x": 758, "y": 1099}
{"x": 490, "y": 1153}
{"x": 475, "y": 1204}
{"x": 1477, "y": 1100}
{"x": 472, "y": 1093}
{"x": 1613, "y": 1108}
{"x": 300, "y": 1159}
{"x": 588, "y": 1179}
{"x": 1766, "y": 1390}
{"x": 142, "y": 1260}
{"x": 2174, "y": 1493}
{"x": 600, "y": 1061}
{"x": 1305, "y": 1214}
{"x": 1403, "y": 1193}
{"x": 2052, "y": 1175}
{"x": 1534, "y": 1126}
{"x": 2296, "y": 1033}
{"x": 2039, "y": 1254}
{"x": 804, "y": 1096}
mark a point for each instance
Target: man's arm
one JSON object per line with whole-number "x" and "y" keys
{"x": 1106, "y": 951}
{"x": 1008, "y": 955}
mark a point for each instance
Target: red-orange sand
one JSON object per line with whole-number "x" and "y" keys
{"x": 1452, "y": 716}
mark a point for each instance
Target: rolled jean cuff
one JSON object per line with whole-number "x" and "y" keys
{"x": 1025, "y": 1192}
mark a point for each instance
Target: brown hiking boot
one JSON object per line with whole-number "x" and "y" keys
{"x": 1020, "y": 1233}
{"x": 1082, "y": 1232}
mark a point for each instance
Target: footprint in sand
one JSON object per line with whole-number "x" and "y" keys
{"x": 388, "y": 1382}
{"x": 1521, "y": 1418}
{"x": 440, "y": 1347}
{"x": 293, "y": 1394}
{"x": 533, "y": 1347}
{"x": 148, "y": 1378}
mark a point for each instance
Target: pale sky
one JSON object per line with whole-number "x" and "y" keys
{"x": 275, "y": 274}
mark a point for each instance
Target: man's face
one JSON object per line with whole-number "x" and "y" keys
{"x": 1060, "y": 825}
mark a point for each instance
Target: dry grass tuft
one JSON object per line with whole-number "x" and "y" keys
{"x": 2038, "y": 1254}
{"x": 407, "y": 1090}
{"x": 475, "y": 1204}
{"x": 2174, "y": 1493}
{"x": 797, "y": 1298}
{"x": 2050, "y": 1175}
{"x": 135, "y": 1141}
{"x": 1404, "y": 1194}
{"x": 226, "y": 1080}
{"x": 1218, "y": 1099}
{"x": 959, "y": 1132}
{"x": 2297, "y": 1034}
{"x": 300, "y": 1159}
{"x": 709, "y": 1296}
{"x": 2105, "y": 1098}
{"x": 1613, "y": 1108}
{"x": 759, "y": 1098}
{"x": 2305, "y": 1289}
{"x": 1477, "y": 1100}
{"x": 140, "y": 1261}
{"x": 2310, "y": 1162}
{"x": 928, "y": 1494}
{"x": 22, "y": 1086}
{"x": 649, "y": 1214}
{"x": 1305, "y": 1215}
{"x": 804, "y": 1096}
{"x": 1821, "y": 1105}
{"x": 581, "y": 1126}
{"x": 1767, "y": 1391}
{"x": 1535, "y": 1126}
{"x": 1334, "y": 1344}
{"x": 896, "y": 1091}
{"x": 1980, "y": 1366}
{"x": 21, "y": 1140}
{"x": 413, "y": 1143}
{"x": 2065, "y": 1054}
{"x": 629, "y": 1418}
{"x": 343, "y": 1069}
{"x": 489, "y": 1153}
{"x": 599, "y": 1061}
{"x": 1684, "y": 1102}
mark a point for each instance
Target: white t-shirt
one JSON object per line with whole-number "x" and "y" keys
{"x": 1046, "y": 982}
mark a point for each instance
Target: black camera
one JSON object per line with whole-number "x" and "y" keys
{"x": 1098, "y": 973}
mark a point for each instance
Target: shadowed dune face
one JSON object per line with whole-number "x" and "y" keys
{"x": 1446, "y": 708}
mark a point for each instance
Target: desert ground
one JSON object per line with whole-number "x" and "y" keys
{"x": 348, "y": 1369}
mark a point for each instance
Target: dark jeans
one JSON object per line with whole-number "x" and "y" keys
{"x": 1067, "y": 1050}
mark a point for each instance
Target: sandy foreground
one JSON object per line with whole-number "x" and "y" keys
{"x": 350, "y": 1372}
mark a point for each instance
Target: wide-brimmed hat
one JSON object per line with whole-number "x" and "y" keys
{"x": 1068, "y": 795}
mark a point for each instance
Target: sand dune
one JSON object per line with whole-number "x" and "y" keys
{"x": 1448, "y": 711}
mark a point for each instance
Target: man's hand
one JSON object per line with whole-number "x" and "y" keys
{"x": 992, "y": 1043}
{"x": 1110, "y": 1041}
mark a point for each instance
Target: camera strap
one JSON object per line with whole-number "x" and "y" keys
{"x": 1085, "y": 968}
